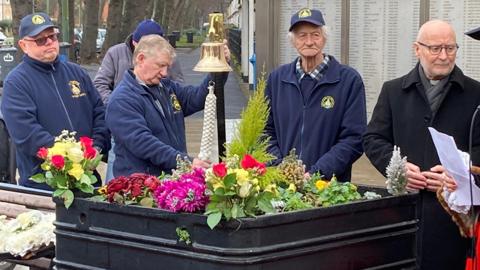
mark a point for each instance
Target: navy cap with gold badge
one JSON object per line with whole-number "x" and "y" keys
{"x": 474, "y": 33}
{"x": 33, "y": 24}
{"x": 313, "y": 16}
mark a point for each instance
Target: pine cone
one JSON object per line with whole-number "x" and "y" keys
{"x": 293, "y": 170}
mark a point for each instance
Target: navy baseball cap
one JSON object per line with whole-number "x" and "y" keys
{"x": 147, "y": 27}
{"x": 474, "y": 33}
{"x": 313, "y": 16}
{"x": 33, "y": 24}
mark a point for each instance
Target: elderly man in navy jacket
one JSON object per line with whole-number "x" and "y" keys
{"x": 317, "y": 104}
{"x": 146, "y": 112}
{"x": 44, "y": 95}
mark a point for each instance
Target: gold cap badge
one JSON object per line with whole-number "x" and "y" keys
{"x": 38, "y": 19}
{"x": 304, "y": 13}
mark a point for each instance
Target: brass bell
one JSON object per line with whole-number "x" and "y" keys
{"x": 212, "y": 57}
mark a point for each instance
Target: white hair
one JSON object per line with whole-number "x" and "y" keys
{"x": 151, "y": 45}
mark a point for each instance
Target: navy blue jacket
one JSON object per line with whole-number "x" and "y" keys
{"x": 327, "y": 129}
{"x": 42, "y": 99}
{"x": 146, "y": 140}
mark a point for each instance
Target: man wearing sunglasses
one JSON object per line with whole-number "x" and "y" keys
{"x": 43, "y": 96}
{"x": 435, "y": 94}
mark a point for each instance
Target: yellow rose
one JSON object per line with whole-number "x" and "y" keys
{"x": 244, "y": 190}
{"x": 75, "y": 154}
{"x": 321, "y": 184}
{"x": 59, "y": 148}
{"x": 45, "y": 166}
{"x": 76, "y": 171}
{"x": 242, "y": 176}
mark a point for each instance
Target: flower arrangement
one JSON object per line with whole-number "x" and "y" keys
{"x": 186, "y": 194}
{"x": 68, "y": 165}
{"x": 183, "y": 192}
{"x": 134, "y": 189}
{"x": 28, "y": 232}
{"x": 236, "y": 190}
{"x": 241, "y": 185}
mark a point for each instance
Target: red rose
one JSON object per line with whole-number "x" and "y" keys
{"x": 151, "y": 182}
{"x": 248, "y": 162}
{"x": 136, "y": 187}
{"x": 42, "y": 153}
{"x": 86, "y": 142}
{"x": 58, "y": 161}
{"x": 220, "y": 169}
{"x": 89, "y": 153}
{"x": 116, "y": 185}
{"x": 261, "y": 168}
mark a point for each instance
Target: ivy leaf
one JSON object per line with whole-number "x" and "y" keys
{"x": 39, "y": 178}
{"x": 58, "y": 192}
{"x": 147, "y": 202}
{"x": 265, "y": 205}
{"x": 67, "y": 197}
{"x": 213, "y": 219}
{"x": 230, "y": 180}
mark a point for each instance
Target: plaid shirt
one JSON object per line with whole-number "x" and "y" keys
{"x": 317, "y": 73}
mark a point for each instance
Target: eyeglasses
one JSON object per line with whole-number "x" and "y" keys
{"x": 437, "y": 49}
{"x": 43, "y": 40}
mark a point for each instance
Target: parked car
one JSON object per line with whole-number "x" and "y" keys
{"x": 78, "y": 33}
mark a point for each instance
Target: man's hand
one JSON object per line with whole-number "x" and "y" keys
{"x": 437, "y": 176}
{"x": 198, "y": 163}
{"x": 226, "y": 50}
{"x": 415, "y": 179}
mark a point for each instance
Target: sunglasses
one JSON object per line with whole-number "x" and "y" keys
{"x": 43, "y": 40}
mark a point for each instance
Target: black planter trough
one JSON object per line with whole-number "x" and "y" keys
{"x": 373, "y": 234}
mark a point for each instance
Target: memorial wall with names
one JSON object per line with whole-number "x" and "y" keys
{"x": 381, "y": 34}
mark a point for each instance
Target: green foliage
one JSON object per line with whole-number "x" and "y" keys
{"x": 233, "y": 198}
{"x": 249, "y": 137}
{"x": 293, "y": 200}
{"x": 183, "y": 235}
{"x": 337, "y": 193}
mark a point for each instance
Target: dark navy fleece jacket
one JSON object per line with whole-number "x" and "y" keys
{"x": 42, "y": 99}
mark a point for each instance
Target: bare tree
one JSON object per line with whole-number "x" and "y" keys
{"x": 19, "y": 9}
{"x": 90, "y": 31}
{"x": 114, "y": 22}
{"x": 133, "y": 13}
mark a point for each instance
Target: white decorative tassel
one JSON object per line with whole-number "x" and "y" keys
{"x": 209, "y": 118}
{"x": 396, "y": 173}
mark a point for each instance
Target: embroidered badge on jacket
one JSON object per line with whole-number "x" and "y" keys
{"x": 328, "y": 102}
{"x": 75, "y": 88}
{"x": 175, "y": 103}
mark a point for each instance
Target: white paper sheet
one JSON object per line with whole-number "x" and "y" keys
{"x": 451, "y": 159}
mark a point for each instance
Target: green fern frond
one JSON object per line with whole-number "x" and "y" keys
{"x": 249, "y": 136}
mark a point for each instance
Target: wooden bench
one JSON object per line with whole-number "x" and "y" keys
{"x": 16, "y": 199}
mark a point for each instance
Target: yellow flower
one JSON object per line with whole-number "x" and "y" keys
{"x": 292, "y": 187}
{"x": 59, "y": 148}
{"x": 321, "y": 184}
{"x": 75, "y": 153}
{"x": 272, "y": 188}
{"x": 244, "y": 190}
{"x": 242, "y": 176}
{"x": 76, "y": 171}
{"x": 45, "y": 166}
{"x": 103, "y": 190}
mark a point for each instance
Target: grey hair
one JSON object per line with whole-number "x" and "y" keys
{"x": 151, "y": 46}
{"x": 324, "y": 28}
